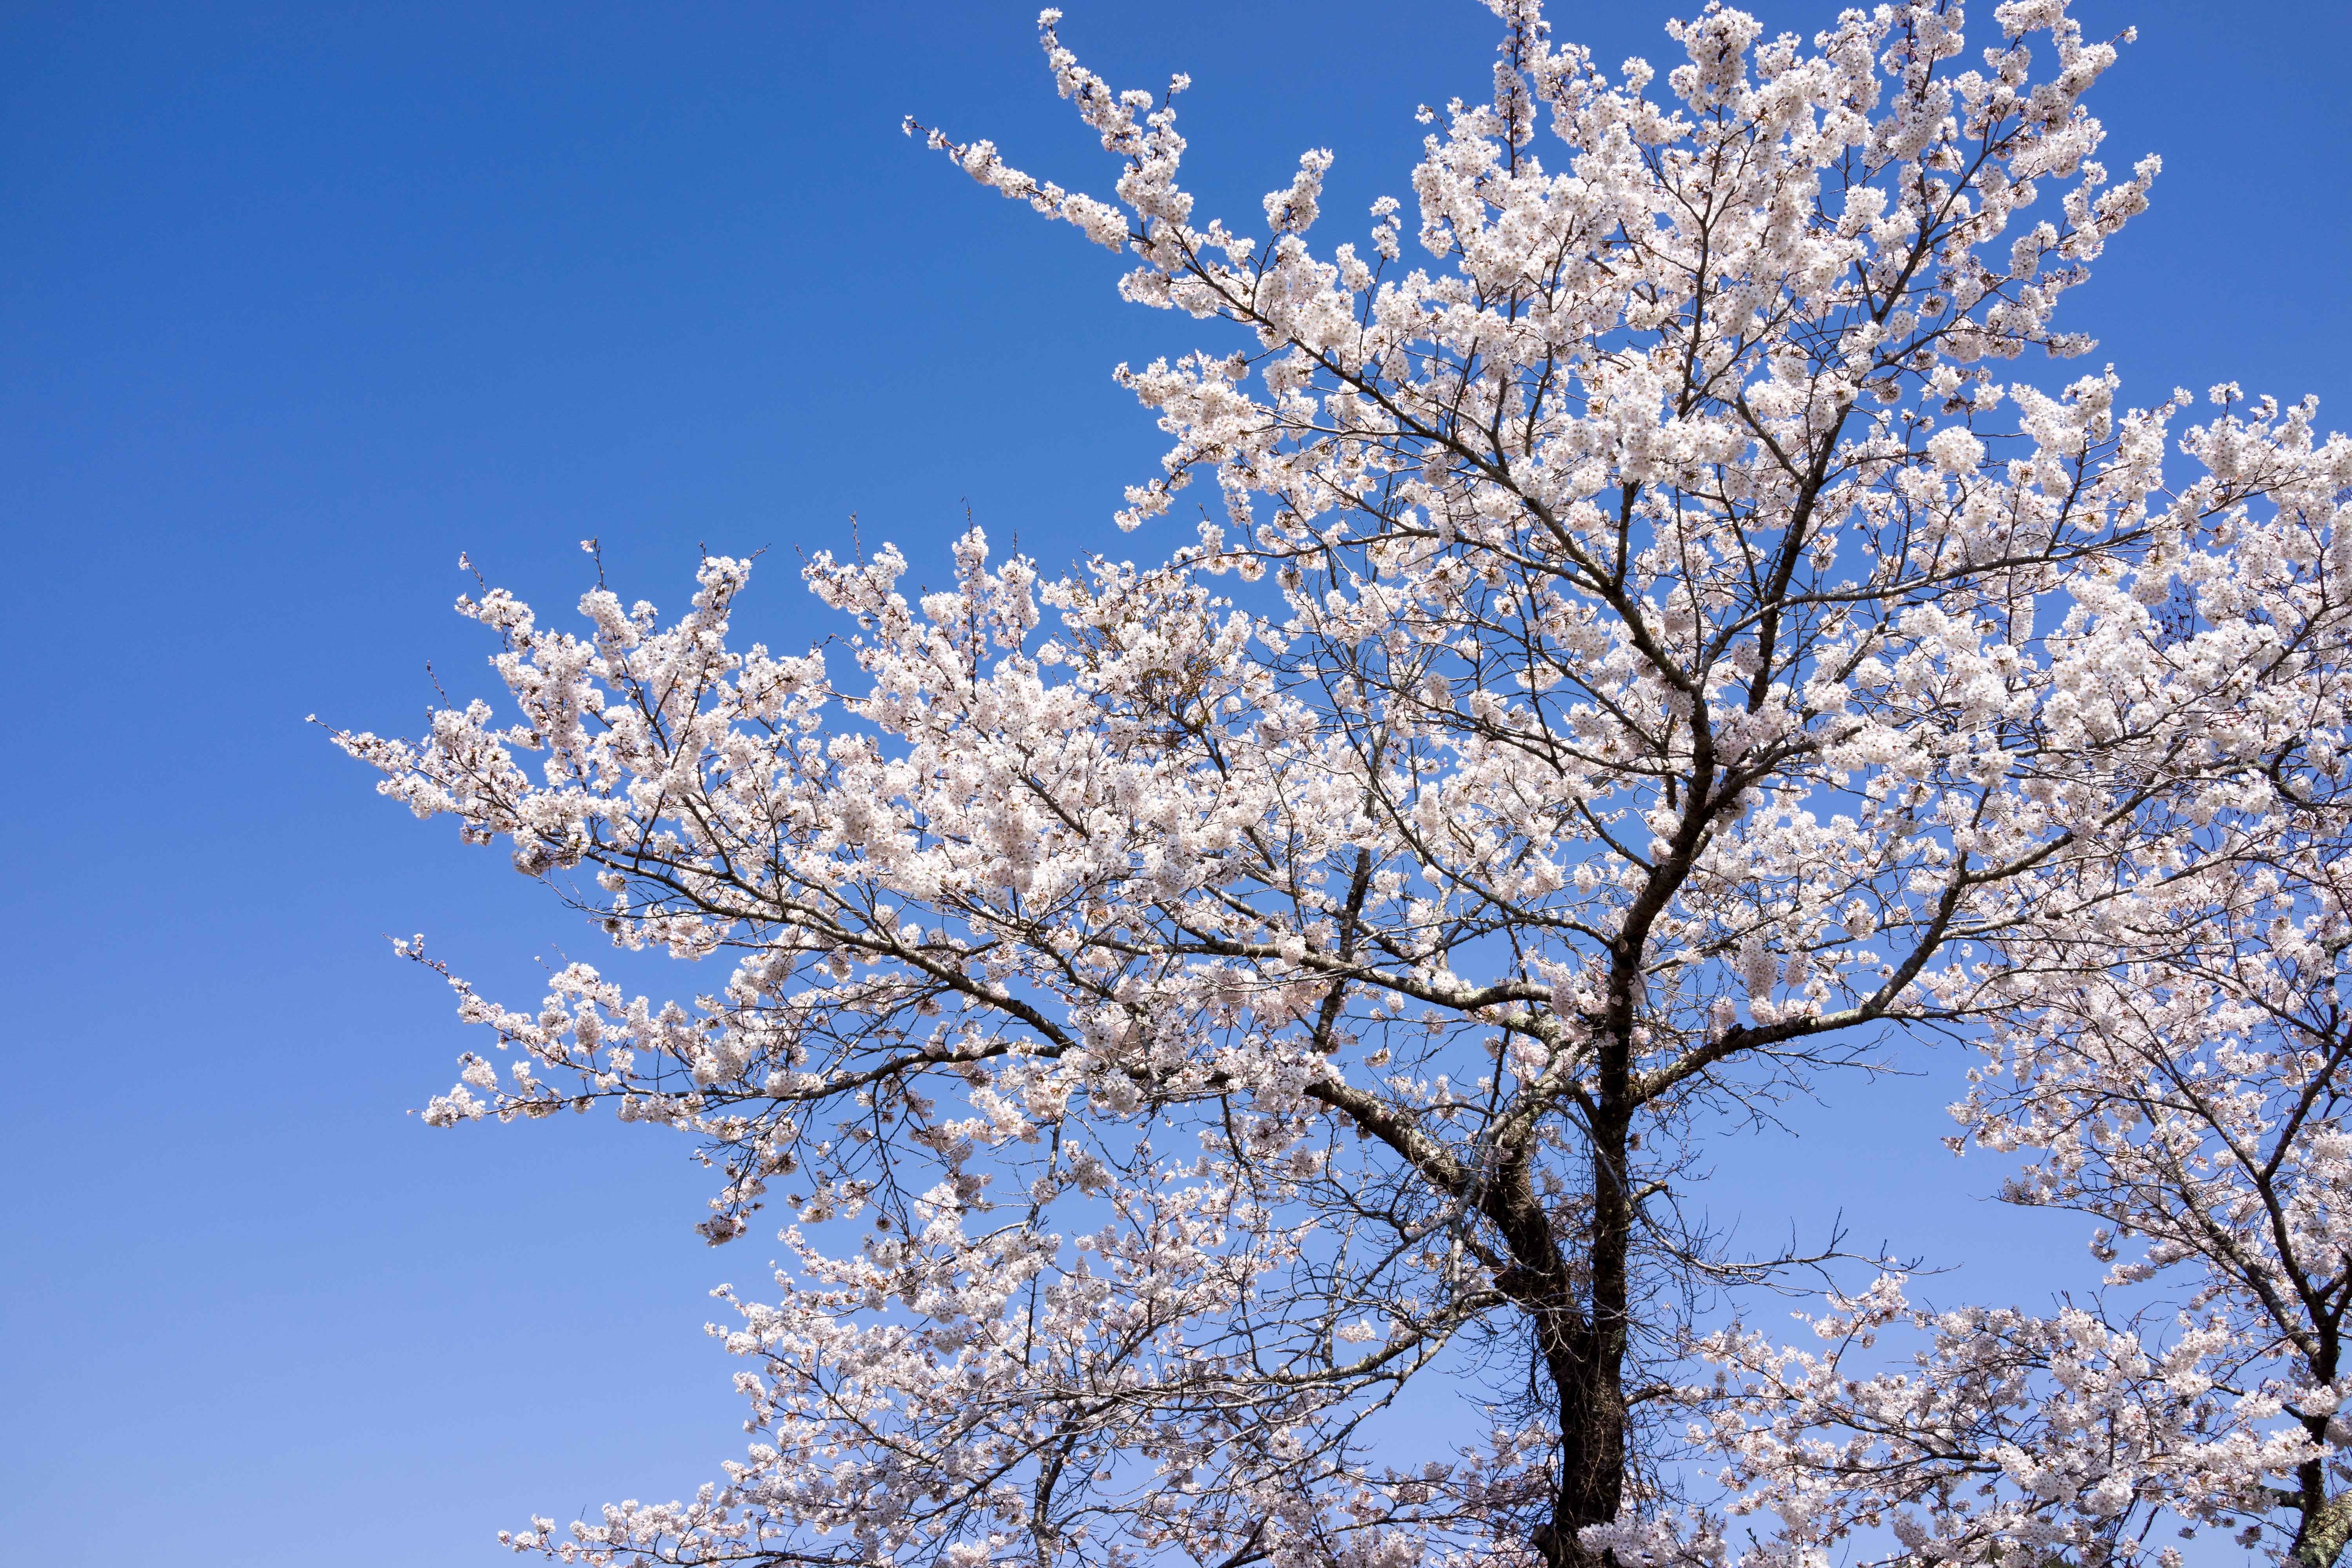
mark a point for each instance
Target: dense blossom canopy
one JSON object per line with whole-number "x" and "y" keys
{"x": 1651, "y": 645}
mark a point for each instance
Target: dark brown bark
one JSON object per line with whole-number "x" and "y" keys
{"x": 1580, "y": 1335}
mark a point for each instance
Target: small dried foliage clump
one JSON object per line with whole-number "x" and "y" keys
{"x": 1648, "y": 649}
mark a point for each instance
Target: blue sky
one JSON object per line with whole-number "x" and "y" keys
{"x": 299, "y": 302}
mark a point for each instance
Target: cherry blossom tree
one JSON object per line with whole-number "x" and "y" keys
{"x": 1641, "y": 656}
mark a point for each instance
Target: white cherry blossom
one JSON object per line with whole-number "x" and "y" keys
{"x": 1651, "y": 645}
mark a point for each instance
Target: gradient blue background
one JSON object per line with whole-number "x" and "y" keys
{"x": 296, "y": 303}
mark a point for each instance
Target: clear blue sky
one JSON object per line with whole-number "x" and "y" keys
{"x": 299, "y": 301}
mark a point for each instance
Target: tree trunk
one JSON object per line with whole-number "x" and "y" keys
{"x": 1583, "y": 1344}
